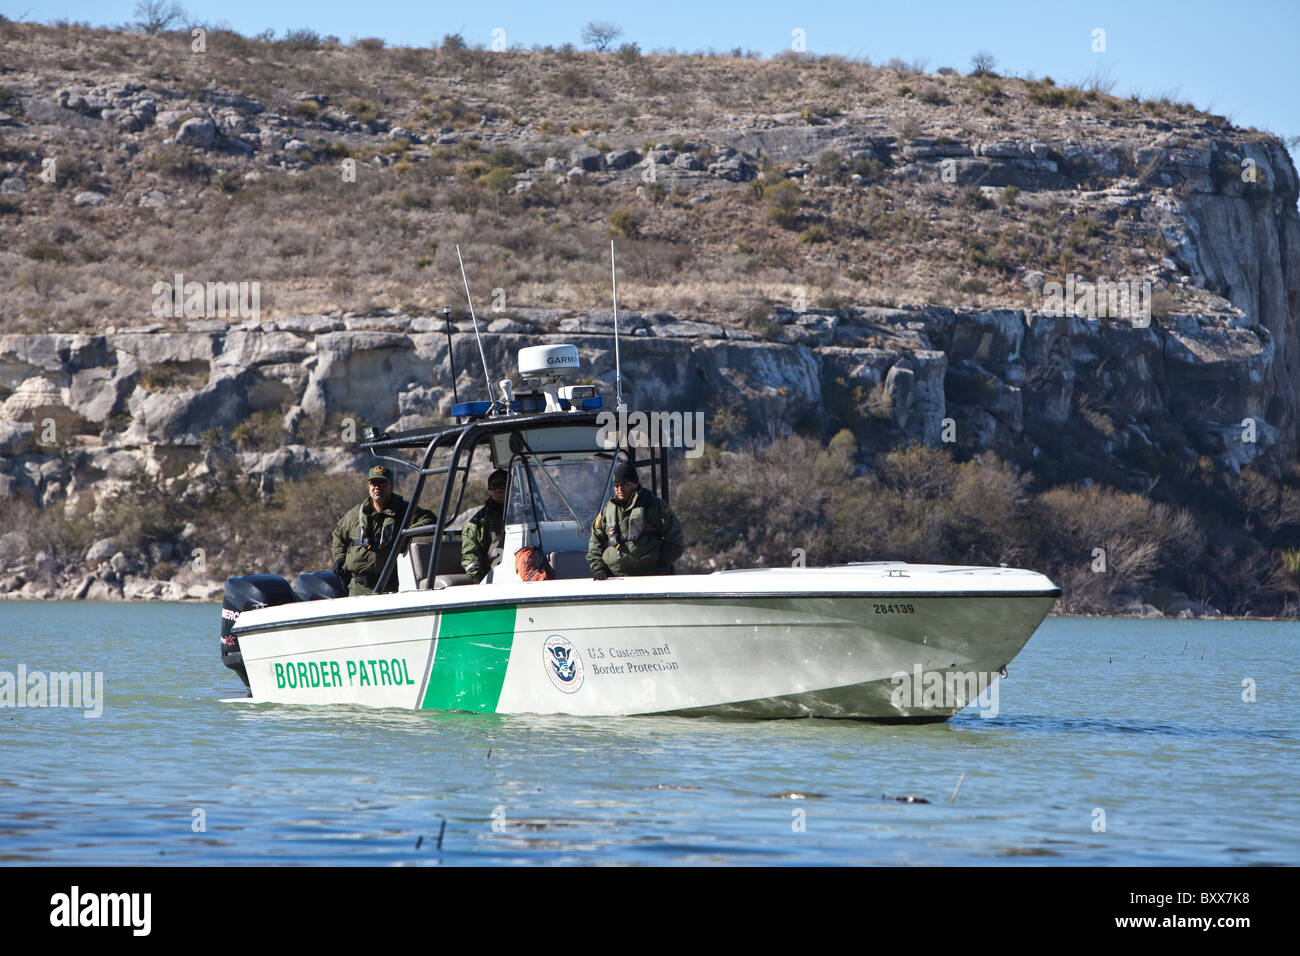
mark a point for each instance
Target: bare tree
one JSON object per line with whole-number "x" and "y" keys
{"x": 983, "y": 63}
{"x": 155, "y": 16}
{"x": 600, "y": 34}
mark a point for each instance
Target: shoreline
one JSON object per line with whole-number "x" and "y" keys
{"x": 1080, "y": 614}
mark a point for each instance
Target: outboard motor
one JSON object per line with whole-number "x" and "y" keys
{"x": 319, "y": 586}
{"x": 244, "y": 594}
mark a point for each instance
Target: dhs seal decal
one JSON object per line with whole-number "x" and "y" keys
{"x": 562, "y": 663}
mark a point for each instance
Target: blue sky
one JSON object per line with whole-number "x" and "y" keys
{"x": 1236, "y": 60}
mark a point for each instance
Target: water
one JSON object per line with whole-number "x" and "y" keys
{"x": 1098, "y": 715}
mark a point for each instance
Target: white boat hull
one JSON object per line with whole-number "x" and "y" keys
{"x": 778, "y": 643}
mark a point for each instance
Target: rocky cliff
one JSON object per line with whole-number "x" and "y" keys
{"x": 81, "y": 413}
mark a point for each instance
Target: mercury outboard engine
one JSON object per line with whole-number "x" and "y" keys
{"x": 318, "y": 586}
{"x": 244, "y": 594}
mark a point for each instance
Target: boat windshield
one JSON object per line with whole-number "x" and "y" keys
{"x": 563, "y": 489}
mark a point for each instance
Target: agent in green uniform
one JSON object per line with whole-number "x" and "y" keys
{"x": 480, "y": 543}
{"x": 364, "y": 535}
{"x": 635, "y": 533}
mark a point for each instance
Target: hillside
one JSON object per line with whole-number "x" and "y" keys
{"x": 855, "y": 266}
{"x": 739, "y": 183}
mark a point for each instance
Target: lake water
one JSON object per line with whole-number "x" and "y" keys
{"x": 1115, "y": 742}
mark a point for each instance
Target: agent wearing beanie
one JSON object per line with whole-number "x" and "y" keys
{"x": 635, "y": 533}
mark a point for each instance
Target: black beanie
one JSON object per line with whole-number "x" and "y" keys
{"x": 625, "y": 472}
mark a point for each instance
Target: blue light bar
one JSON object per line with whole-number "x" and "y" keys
{"x": 470, "y": 409}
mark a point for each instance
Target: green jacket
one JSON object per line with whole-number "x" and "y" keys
{"x": 480, "y": 542}
{"x": 652, "y": 537}
{"x": 363, "y": 538}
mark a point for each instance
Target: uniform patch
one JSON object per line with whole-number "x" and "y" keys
{"x": 562, "y": 663}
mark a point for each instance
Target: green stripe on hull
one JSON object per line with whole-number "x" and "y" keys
{"x": 469, "y": 665}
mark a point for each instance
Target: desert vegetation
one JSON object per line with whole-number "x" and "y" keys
{"x": 1111, "y": 551}
{"x": 450, "y": 145}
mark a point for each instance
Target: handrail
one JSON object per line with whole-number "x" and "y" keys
{"x": 390, "y": 563}
{"x": 418, "y": 438}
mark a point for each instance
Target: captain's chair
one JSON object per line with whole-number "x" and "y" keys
{"x": 420, "y": 554}
{"x": 569, "y": 565}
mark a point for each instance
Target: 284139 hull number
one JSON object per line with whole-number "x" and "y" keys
{"x": 893, "y": 609}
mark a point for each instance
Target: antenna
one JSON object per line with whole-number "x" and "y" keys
{"x": 618, "y": 365}
{"x": 451, "y": 355}
{"x": 487, "y": 379}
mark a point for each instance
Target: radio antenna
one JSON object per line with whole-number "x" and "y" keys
{"x": 618, "y": 365}
{"x": 451, "y": 355}
{"x": 487, "y": 379}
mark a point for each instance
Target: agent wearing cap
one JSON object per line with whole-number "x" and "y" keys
{"x": 364, "y": 536}
{"x": 480, "y": 544}
{"x": 635, "y": 533}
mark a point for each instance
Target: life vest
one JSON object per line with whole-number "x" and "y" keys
{"x": 530, "y": 565}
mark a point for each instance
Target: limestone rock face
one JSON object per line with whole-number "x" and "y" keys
{"x": 101, "y": 550}
{"x": 34, "y": 396}
{"x": 199, "y": 131}
{"x": 362, "y": 372}
{"x": 160, "y": 416}
{"x": 1251, "y": 256}
{"x": 245, "y": 348}
{"x": 1124, "y": 395}
{"x": 16, "y": 437}
{"x": 158, "y": 348}
{"x": 587, "y": 159}
{"x": 621, "y": 159}
{"x": 97, "y": 393}
{"x": 915, "y": 390}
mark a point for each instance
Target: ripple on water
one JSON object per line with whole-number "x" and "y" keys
{"x": 1097, "y": 715}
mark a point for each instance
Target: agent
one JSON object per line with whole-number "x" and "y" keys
{"x": 365, "y": 534}
{"x": 635, "y": 533}
{"x": 480, "y": 547}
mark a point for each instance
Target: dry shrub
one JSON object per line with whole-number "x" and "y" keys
{"x": 29, "y": 529}
{"x": 288, "y": 534}
{"x": 1137, "y": 536}
{"x": 760, "y": 518}
{"x": 920, "y": 505}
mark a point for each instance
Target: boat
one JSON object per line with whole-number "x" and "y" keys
{"x": 882, "y": 640}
